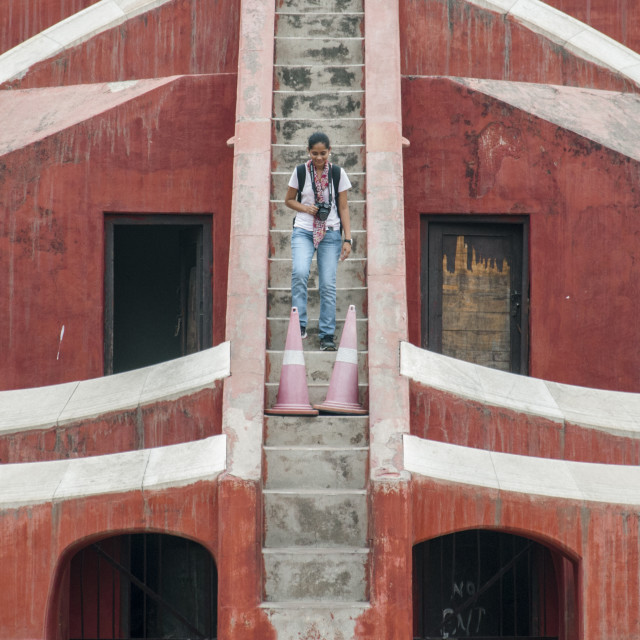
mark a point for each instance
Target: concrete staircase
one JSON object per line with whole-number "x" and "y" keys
{"x": 315, "y": 469}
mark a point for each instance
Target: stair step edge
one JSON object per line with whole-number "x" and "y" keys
{"x": 319, "y": 447}
{"x": 315, "y": 604}
{"x": 316, "y": 492}
{"x": 301, "y": 551}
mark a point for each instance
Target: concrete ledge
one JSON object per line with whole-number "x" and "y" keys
{"x": 146, "y": 470}
{"x": 29, "y": 409}
{"x": 70, "y": 32}
{"x": 581, "y": 481}
{"x": 575, "y": 36}
{"x": 614, "y": 412}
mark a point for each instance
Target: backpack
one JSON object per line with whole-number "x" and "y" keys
{"x": 335, "y": 177}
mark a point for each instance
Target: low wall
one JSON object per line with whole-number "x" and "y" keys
{"x": 466, "y": 404}
{"x": 172, "y": 402}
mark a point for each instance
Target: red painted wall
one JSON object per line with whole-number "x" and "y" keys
{"x": 445, "y": 417}
{"x": 180, "y": 37}
{"x": 453, "y": 38}
{"x": 164, "y": 152}
{"x": 160, "y": 424}
{"x": 22, "y": 19}
{"x": 619, "y": 19}
{"x": 582, "y": 202}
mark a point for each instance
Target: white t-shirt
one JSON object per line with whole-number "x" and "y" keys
{"x": 305, "y": 220}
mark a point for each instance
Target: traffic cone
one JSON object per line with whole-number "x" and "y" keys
{"x": 293, "y": 395}
{"x": 342, "y": 396}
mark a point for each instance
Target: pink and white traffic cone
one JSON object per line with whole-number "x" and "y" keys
{"x": 342, "y": 396}
{"x": 293, "y": 394}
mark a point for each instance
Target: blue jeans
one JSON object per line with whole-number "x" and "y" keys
{"x": 302, "y": 251}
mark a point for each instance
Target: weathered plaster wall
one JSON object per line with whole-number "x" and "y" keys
{"x": 454, "y": 38}
{"x": 22, "y": 19}
{"x": 161, "y": 152}
{"x": 581, "y": 200}
{"x": 619, "y": 20}
{"x": 179, "y": 37}
{"x": 445, "y": 417}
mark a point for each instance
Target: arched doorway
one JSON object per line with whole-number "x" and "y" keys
{"x": 146, "y": 586}
{"x": 486, "y": 585}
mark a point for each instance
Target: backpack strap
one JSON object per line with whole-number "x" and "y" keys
{"x": 301, "y": 170}
{"x": 335, "y": 176}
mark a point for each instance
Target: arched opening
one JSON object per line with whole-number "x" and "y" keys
{"x": 145, "y": 585}
{"x": 489, "y": 584}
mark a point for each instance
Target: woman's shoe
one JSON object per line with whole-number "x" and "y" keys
{"x": 327, "y": 344}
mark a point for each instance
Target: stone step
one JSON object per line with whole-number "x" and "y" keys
{"x": 277, "y": 329}
{"x": 317, "y": 394}
{"x": 303, "y": 619}
{"x": 282, "y": 216}
{"x": 304, "y": 77}
{"x": 279, "y": 303}
{"x": 280, "y": 183}
{"x": 319, "y": 25}
{"x": 318, "y": 364}
{"x": 323, "y": 430}
{"x": 316, "y": 574}
{"x": 326, "y": 519}
{"x": 321, "y": 6}
{"x": 347, "y": 131}
{"x": 280, "y": 243}
{"x": 318, "y": 51}
{"x": 318, "y": 104}
{"x": 315, "y": 467}
{"x": 351, "y": 273}
{"x": 285, "y": 157}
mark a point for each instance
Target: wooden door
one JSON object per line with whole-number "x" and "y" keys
{"x": 475, "y": 292}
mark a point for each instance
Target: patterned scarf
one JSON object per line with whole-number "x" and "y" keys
{"x": 321, "y": 183}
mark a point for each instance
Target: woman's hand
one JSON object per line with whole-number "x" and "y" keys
{"x": 346, "y": 251}
{"x": 310, "y": 209}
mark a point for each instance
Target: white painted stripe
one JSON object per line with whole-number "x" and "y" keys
{"x": 293, "y": 357}
{"x": 347, "y": 355}
{"x": 527, "y": 475}
{"x": 177, "y": 465}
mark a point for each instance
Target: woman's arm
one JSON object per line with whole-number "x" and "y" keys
{"x": 343, "y": 208}
{"x": 291, "y": 200}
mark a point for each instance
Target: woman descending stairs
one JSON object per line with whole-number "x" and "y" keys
{"x": 315, "y": 472}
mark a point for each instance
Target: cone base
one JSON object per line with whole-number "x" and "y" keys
{"x": 346, "y": 409}
{"x": 291, "y": 410}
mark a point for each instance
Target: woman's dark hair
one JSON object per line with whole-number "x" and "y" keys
{"x": 318, "y": 136}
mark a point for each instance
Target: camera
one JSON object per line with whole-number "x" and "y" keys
{"x": 324, "y": 209}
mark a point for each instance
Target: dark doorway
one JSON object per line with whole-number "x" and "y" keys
{"x": 158, "y": 297}
{"x": 146, "y": 586}
{"x": 484, "y": 585}
{"x": 474, "y": 287}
